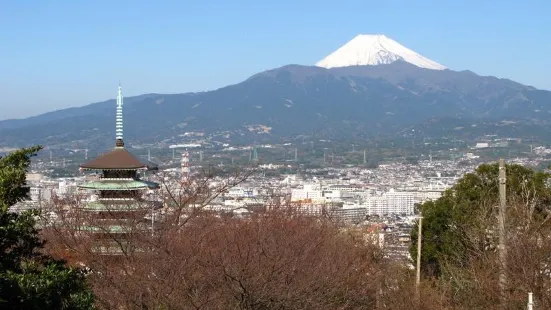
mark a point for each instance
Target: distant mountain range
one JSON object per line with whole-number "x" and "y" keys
{"x": 343, "y": 102}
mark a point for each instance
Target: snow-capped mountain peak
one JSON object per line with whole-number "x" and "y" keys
{"x": 366, "y": 49}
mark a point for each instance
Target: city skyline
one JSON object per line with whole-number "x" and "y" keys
{"x": 67, "y": 55}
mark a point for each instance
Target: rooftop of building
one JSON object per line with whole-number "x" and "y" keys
{"x": 118, "y": 159}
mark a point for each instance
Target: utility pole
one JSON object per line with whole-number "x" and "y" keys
{"x": 530, "y": 302}
{"x": 40, "y": 197}
{"x": 419, "y": 241}
{"x": 502, "y": 237}
{"x": 152, "y": 220}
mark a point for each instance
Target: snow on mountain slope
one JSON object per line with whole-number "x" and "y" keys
{"x": 368, "y": 49}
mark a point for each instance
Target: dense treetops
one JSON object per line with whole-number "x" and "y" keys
{"x": 460, "y": 235}
{"x": 28, "y": 278}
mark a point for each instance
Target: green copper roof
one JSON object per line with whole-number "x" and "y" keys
{"x": 107, "y": 250}
{"x": 107, "y": 229}
{"x": 99, "y": 206}
{"x": 116, "y": 249}
{"x": 119, "y": 185}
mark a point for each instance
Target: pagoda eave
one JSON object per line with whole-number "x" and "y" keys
{"x": 119, "y": 186}
{"x": 125, "y": 169}
{"x": 118, "y": 159}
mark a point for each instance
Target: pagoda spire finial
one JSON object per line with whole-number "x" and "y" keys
{"x": 119, "y": 127}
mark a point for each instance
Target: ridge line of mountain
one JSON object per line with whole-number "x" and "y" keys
{"x": 294, "y": 99}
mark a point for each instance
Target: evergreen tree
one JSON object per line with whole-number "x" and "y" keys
{"x": 460, "y": 225}
{"x": 30, "y": 279}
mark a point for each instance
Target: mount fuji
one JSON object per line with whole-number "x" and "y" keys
{"x": 368, "y": 49}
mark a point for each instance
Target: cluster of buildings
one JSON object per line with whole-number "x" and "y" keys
{"x": 391, "y": 189}
{"x": 391, "y": 202}
{"x": 123, "y": 188}
{"x": 43, "y": 190}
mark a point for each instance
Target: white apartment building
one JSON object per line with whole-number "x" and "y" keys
{"x": 391, "y": 202}
{"x": 314, "y": 193}
{"x": 66, "y": 188}
{"x": 332, "y": 195}
{"x": 399, "y": 202}
{"x": 240, "y": 192}
{"x": 35, "y": 193}
{"x": 307, "y": 192}
{"x": 298, "y": 194}
{"x": 345, "y": 187}
{"x": 376, "y": 205}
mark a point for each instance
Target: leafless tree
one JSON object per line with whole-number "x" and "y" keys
{"x": 195, "y": 258}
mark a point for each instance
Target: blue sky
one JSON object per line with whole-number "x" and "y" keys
{"x": 57, "y": 54}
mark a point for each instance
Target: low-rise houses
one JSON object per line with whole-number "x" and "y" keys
{"x": 358, "y": 197}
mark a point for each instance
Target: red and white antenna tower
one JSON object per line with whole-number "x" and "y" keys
{"x": 185, "y": 168}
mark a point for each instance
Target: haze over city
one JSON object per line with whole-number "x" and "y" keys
{"x": 57, "y": 55}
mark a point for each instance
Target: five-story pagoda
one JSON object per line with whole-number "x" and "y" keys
{"x": 117, "y": 209}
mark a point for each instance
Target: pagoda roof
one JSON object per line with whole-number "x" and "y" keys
{"x": 114, "y": 184}
{"x": 118, "y": 159}
{"x": 121, "y": 205}
{"x": 99, "y": 206}
{"x": 107, "y": 228}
